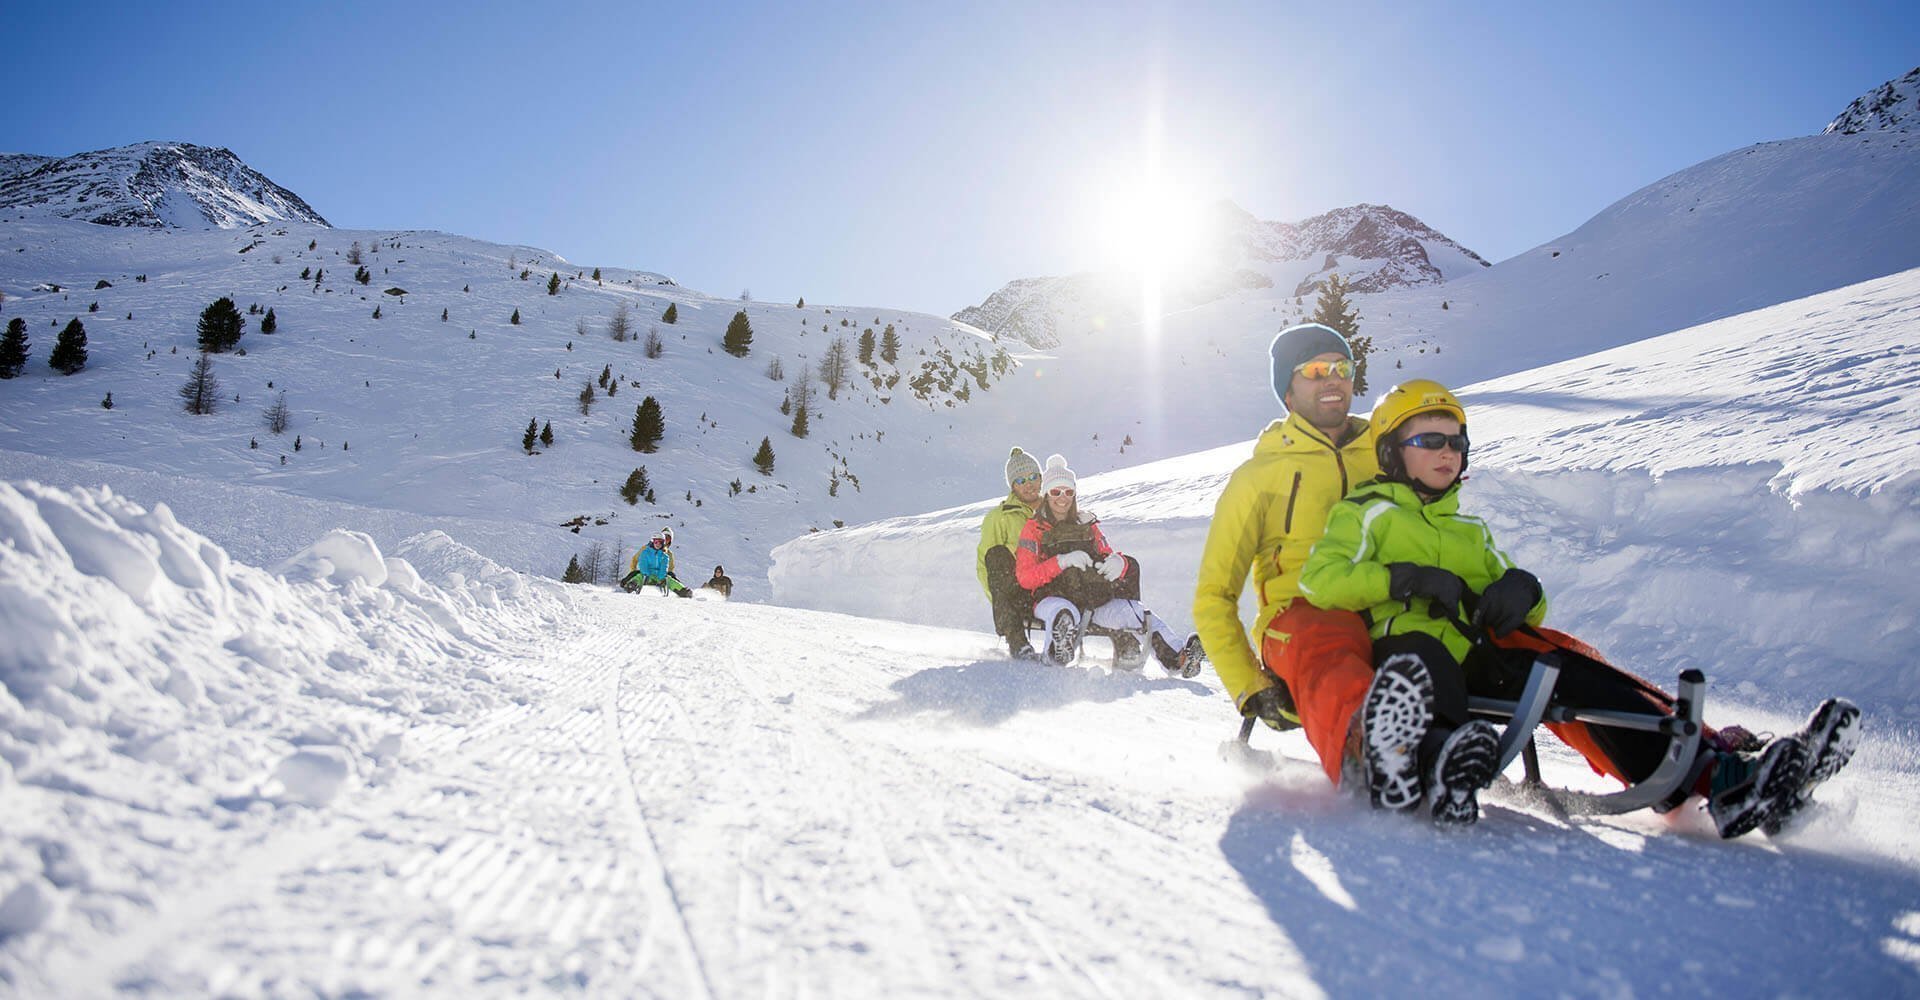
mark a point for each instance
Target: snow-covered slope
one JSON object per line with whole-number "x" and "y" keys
{"x": 424, "y": 776}
{"x": 409, "y": 420}
{"x": 1374, "y": 246}
{"x": 154, "y": 184}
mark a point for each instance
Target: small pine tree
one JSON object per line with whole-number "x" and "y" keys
{"x": 376, "y": 312}
{"x": 353, "y": 253}
{"x": 362, "y": 275}
{"x": 532, "y": 435}
{"x": 553, "y": 284}
{"x": 70, "y": 349}
{"x": 270, "y": 323}
{"x": 586, "y": 399}
{"x": 802, "y": 304}
{"x": 296, "y": 442}
{"x": 546, "y": 434}
{"x": 573, "y": 574}
{"x": 620, "y": 327}
{"x": 606, "y": 372}
{"x": 107, "y": 403}
{"x": 890, "y": 345}
{"x": 672, "y": 315}
{"x": 786, "y": 403}
{"x": 799, "y": 428}
{"x": 636, "y": 486}
{"x": 596, "y": 275}
{"x": 202, "y": 389}
{"x": 515, "y": 318}
{"x": 653, "y": 345}
{"x": 739, "y": 336}
{"x": 277, "y": 415}
{"x": 13, "y": 348}
{"x": 306, "y": 274}
{"x": 733, "y": 488}
{"x": 649, "y": 425}
{"x": 1335, "y": 310}
{"x": 763, "y": 459}
{"x": 443, "y": 314}
{"x": 866, "y": 348}
{"x": 220, "y": 326}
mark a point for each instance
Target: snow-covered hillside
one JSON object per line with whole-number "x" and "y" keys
{"x": 414, "y": 419}
{"x": 153, "y": 184}
{"x": 1893, "y": 106}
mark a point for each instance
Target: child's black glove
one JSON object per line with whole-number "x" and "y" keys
{"x": 1406, "y": 581}
{"x": 1273, "y": 706}
{"x": 1506, "y": 602}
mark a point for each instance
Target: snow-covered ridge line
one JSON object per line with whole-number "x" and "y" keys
{"x": 143, "y": 673}
{"x": 150, "y": 184}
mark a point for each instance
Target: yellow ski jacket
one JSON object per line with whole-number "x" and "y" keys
{"x": 1273, "y": 509}
{"x": 1001, "y": 527}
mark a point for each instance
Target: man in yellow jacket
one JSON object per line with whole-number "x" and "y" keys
{"x": 1313, "y": 666}
{"x": 993, "y": 560}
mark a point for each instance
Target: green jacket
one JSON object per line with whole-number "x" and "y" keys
{"x": 1269, "y": 514}
{"x": 1383, "y": 522}
{"x": 1000, "y": 528}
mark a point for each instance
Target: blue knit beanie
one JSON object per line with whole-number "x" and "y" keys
{"x": 1297, "y": 345}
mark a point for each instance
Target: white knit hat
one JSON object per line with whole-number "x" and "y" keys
{"x": 1020, "y": 464}
{"x": 1057, "y": 474}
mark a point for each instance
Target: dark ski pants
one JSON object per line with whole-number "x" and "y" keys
{"x": 1011, "y": 602}
{"x": 1500, "y": 670}
{"x": 1087, "y": 589}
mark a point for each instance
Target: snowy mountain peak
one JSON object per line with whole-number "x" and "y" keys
{"x": 1376, "y": 247}
{"x": 156, "y": 185}
{"x": 1894, "y": 106}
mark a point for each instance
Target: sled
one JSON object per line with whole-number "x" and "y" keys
{"x": 1534, "y": 707}
{"x": 1063, "y": 647}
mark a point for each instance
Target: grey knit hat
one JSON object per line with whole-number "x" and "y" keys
{"x": 1019, "y": 464}
{"x": 1299, "y": 344}
{"x": 1058, "y": 474}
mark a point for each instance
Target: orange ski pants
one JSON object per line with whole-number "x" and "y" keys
{"x": 1326, "y": 660}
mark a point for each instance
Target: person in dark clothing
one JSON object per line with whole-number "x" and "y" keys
{"x": 721, "y": 582}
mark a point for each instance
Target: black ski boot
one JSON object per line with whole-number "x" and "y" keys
{"x": 1464, "y": 765}
{"x": 1748, "y": 788}
{"x": 1393, "y": 720}
{"x": 1127, "y": 654}
{"x": 1831, "y": 735}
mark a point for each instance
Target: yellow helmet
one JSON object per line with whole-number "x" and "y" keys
{"x": 1422, "y": 395}
{"x": 1403, "y": 402}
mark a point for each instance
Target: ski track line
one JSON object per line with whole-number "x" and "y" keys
{"x": 642, "y": 836}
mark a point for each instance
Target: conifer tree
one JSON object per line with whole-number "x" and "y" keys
{"x": 270, "y": 323}
{"x": 202, "y": 390}
{"x": 596, "y": 275}
{"x": 606, "y": 372}
{"x": 70, "y": 348}
{"x": 586, "y": 399}
{"x": 763, "y": 459}
{"x": 277, "y": 415}
{"x": 515, "y": 318}
{"x": 833, "y": 367}
{"x": 573, "y": 574}
{"x": 889, "y": 345}
{"x": 443, "y": 314}
{"x": 786, "y": 403}
{"x": 546, "y": 434}
{"x": 739, "y": 337}
{"x": 620, "y": 327}
{"x": 362, "y": 275}
{"x": 220, "y": 326}
{"x": 532, "y": 435}
{"x": 866, "y": 348}
{"x": 799, "y": 428}
{"x": 13, "y": 348}
{"x": 653, "y": 346}
{"x": 636, "y": 486}
{"x": 107, "y": 403}
{"x": 649, "y": 425}
{"x": 802, "y": 304}
{"x": 672, "y": 315}
{"x": 376, "y": 312}
{"x": 553, "y": 284}
{"x": 1334, "y": 310}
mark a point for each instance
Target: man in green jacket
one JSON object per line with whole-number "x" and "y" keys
{"x": 1305, "y": 667}
{"x": 993, "y": 560}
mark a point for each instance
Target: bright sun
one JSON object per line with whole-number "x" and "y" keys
{"x": 1151, "y": 226}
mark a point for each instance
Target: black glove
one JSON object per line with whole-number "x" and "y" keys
{"x": 1506, "y": 602}
{"x": 1407, "y": 581}
{"x": 1273, "y": 706}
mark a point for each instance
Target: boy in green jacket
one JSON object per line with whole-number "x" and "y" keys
{"x": 1399, "y": 551}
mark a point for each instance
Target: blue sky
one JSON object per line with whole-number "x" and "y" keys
{"x": 919, "y": 156}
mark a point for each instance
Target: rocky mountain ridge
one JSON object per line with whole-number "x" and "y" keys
{"x": 153, "y": 185}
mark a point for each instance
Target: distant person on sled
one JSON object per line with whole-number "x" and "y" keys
{"x": 993, "y": 560}
{"x": 1078, "y": 579}
{"x": 721, "y": 583}
{"x": 1434, "y": 588}
{"x": 652, "y": 566}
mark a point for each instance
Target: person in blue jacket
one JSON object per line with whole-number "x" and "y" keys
{"x": 652, "y": 566}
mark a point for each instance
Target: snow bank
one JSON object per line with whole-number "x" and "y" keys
{"x": 144, "y": 674}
